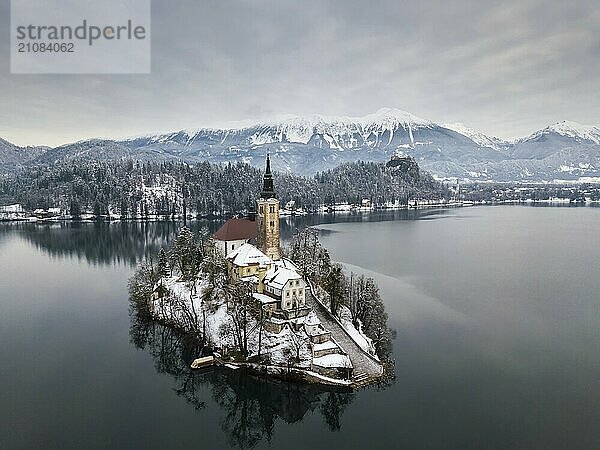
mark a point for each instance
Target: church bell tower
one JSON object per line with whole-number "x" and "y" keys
{"x": 268, "y": 217}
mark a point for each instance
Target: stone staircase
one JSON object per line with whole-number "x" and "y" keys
{"x": 359, "y": 378}
{"x": 366, "y": 369}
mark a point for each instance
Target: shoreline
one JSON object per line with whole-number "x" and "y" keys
{"x": 352, "y": 209}
{"x": 366, "y": 368}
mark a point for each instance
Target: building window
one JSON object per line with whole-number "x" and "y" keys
{"x": 272, "y": 208}
{"x": 287, "y": 294}
{"x": 232, "y": 246}
{"x": 300, "y": 291}
{"x": 272, "y": 224}
{"x": 260, "y": 209}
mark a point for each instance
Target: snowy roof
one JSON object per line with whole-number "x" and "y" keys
{"x": 247, "y": 255}
{"x": 325, "y": 346}
{"x": 333, "y": 360}
{"x": 250, "y": 279}
{"x": 265, "y": 299}
{"x": 284, "y": 262}
{"x": 277, "y": 277}
{"x": 317, "y": 331}
{"x": 236, "y": 229}
{"x": 312, "y": 320}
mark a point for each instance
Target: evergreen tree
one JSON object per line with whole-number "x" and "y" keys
{"x": 335, "y": 285}
{"x": 209, "y": 188}
{"x": 184, "y": 253}
{"x": 124, "y": 208}
{"x": 163, "y": 263}
{"x": 75, "y": 209}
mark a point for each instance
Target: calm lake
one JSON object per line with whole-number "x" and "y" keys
{"x": 496, "y": 312}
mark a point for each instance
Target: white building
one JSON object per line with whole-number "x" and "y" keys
{"x": 247, "y": 263}
{"x": 286, "y": 285}
{"x": 16, "y": 208}
{"x": 233, "y": 234}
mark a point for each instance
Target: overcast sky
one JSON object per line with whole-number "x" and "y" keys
{"x": 506, "y": 68}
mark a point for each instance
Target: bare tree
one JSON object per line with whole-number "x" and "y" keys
{"x": 299, "y": 341}
{"x": 239, "y": 308}
{"x": 309, "y": 254}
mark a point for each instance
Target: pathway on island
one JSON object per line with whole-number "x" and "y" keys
{"x": 365, "y": 368}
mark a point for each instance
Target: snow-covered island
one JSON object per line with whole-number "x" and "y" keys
{"x": 290, "y": 313}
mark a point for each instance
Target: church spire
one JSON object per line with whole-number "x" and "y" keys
{"x": 268, "y": 191}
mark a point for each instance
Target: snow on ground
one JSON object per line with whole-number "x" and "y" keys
{"x": 333, "y": 360}
{"x": 287, "y": 350}
{"x": 279, "y": 347}
{"x": 345, "y": 321}
{"x": 327, "y": 345}
{"x": 363, "y": 341}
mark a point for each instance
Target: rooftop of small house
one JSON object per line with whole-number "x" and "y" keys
{"x": 264, "y": 299}
{"x": 333, "y": 360}
{"x": 277, "y": 277}
{"x": 248, "y": 255}
{"x": 284, "y": 262}
{"x": 327, "y": 345}
{"x": 312, "y": 320}
{"x": 237, "y": 229}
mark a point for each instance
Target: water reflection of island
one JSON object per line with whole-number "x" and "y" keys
{"x": 98, "y": 243}
{"x": 251, "y": 405}
{"x": 127, "y": 243}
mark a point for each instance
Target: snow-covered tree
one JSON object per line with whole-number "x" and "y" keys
{"x": 184, "y": 253}
{"x": 162, "y": 267}
{"x": 334, "y": 284}
{"x": 160, "y": 187}
{"x": 309, "y": 254}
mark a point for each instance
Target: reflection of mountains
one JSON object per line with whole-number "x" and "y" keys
{"x": 251, "y": 405}
{"x": 128, "y": 242}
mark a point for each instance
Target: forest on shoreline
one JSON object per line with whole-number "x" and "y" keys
{"x": 132, "y": 189}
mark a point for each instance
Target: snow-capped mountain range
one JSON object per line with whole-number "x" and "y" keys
{"x": 306, "y": 145}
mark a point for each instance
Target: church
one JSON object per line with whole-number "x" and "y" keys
{"x": 252, "y": 250}
{"x": 262, "y": 230}
{"x": 251, "y": 247}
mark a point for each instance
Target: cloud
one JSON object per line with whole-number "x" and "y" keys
{"x": 506, "y": 68}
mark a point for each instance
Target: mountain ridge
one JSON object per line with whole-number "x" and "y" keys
{"x": 310, "y": 144}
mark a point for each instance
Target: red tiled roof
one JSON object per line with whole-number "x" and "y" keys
{"x": 235, "y": 229}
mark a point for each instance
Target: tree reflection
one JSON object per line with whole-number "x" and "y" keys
{"x": 251, "y": 404}
{"x": 127, "y": 243}
{"x": 101, "y": 243}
